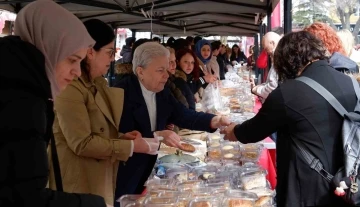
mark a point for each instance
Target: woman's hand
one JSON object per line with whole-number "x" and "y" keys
{"x": 170, "y": 127}
{"x": 219, "y": 121}
{"x": 171, "y": 139}
{"x": 146, "y": 145}
{"x": 131, "y": 135}
{"x": 229, "y": 133}
{"x": 210, "y": 78}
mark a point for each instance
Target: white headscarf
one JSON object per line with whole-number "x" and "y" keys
{"x": 53, "y": 30}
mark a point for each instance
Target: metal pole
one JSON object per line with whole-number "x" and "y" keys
{"x": 269, "y": 12}
{"x": 133, "y": 33}
{"x": 287, "y": 16}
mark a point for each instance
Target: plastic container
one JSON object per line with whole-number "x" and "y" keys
{"x": 251, "y": 152}
{"x": 239, "y": 198}
{"x": 187, "y": 186}
{"x": 131, "y": 200}
{"x": 205, "y": 202}
{"x": 265, "y": 197}
{"x": 214, "y": 152}
{"x": 177, "y": 174}
{"x": 160, "y": 202}
{"x": 202, "y": 192}
{"x": 159, "y": 182}
{"x": 255, "y": 179}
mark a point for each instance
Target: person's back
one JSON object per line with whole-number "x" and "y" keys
{"x": 25, "y": 126}
{"x": 311, "y": 120}
{"x": 35, "y": 67}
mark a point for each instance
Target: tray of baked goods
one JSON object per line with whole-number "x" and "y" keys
{"x": 228, "y": 177}
{"x": 206, "y": 186}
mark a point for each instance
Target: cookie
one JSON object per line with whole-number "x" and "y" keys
{"x": 187, "y": 147}
{"x": 240, "y": 203}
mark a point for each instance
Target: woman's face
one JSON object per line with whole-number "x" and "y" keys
{"x": 155, "y": 75}
{"x": 172, "y": 63}
{"x": 236, "y": 49}
{"x": 99, "y": 61}
{"x": 206, "y": 51}
{"x": 187, "y": 63}
{"x": 69, "y": 68}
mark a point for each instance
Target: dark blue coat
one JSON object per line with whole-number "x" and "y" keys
{"x": 133, "y": 174}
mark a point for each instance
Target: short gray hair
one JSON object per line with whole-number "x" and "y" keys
{"x": 146, "y": 52}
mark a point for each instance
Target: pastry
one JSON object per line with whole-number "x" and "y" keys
{"x": 229, "y": 156}
{"x": 235, "y": 106}
{"x": 214, "y": 154}
{"x": 215, "y": 136}
{"x": 240, "y": 203}
{"x": 187, "y": 147}
{"x": 228, "y": 147}
{"x": 201, "y": 204}
{"x": 215, "y": 144}
{"x": 206, "y": 176}
{"x": 262, "y": 201}
{"x": 254, "y": 182}
{"x": 250, "y": 155}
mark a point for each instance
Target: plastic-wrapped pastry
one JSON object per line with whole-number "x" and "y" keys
{"x": 178, "y": 174}
{"x": 132, "y": 200}
{"x": 214, "y": 152}
{"x": 265, "y": 196}
{"x": 238, "y": 198}
{"x": 209, "y": 201}
{"x": 255, "y": 179}
{"x": 164, "y": 201}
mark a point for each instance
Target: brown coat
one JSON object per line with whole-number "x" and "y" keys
{"x": 87, "y": 138}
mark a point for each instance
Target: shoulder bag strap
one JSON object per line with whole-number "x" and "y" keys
{"x": 357, "y": 92}
{"x": 324, "y": 93}
{"x": 313, "y": 162}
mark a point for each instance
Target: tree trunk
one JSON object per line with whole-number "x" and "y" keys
{"x": 356, "y": 31}
{"x": 347, "y": 20}
{"x": 341, "y": 16}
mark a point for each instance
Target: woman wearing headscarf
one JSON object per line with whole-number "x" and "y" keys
{"x": 203, "y": 53}
{"x": 88, "y": 140}
{"x": 149, "y": 107}
{"x": 297, "y": 112}
{"x": 36, "y": 64}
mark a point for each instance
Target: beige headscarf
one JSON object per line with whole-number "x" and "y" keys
{"x": 53, "y": 30}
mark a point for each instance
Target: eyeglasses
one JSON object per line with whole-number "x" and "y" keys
{"x": 110, "y": 51}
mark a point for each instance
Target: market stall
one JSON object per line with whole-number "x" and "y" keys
{"x": 211, "y": 171}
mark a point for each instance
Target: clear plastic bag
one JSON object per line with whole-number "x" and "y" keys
{"x": 211, "y": 99}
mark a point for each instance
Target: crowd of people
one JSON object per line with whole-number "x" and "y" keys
{"x": 68, "y": 139}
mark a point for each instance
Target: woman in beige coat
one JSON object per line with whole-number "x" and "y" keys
{"x": 86, "y": 125}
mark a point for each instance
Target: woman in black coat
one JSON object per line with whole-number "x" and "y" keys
{"x": 296, "y": 111}
{"x": 148, "y": 108}
{"x": 35, "y": 66}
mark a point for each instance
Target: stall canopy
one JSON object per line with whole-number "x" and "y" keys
{"x": 170, "y": 17}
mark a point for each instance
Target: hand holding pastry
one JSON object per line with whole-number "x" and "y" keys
{"x": 171, "y": 139}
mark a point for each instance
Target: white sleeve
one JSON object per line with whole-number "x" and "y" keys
{"x": 271, "y": 84}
